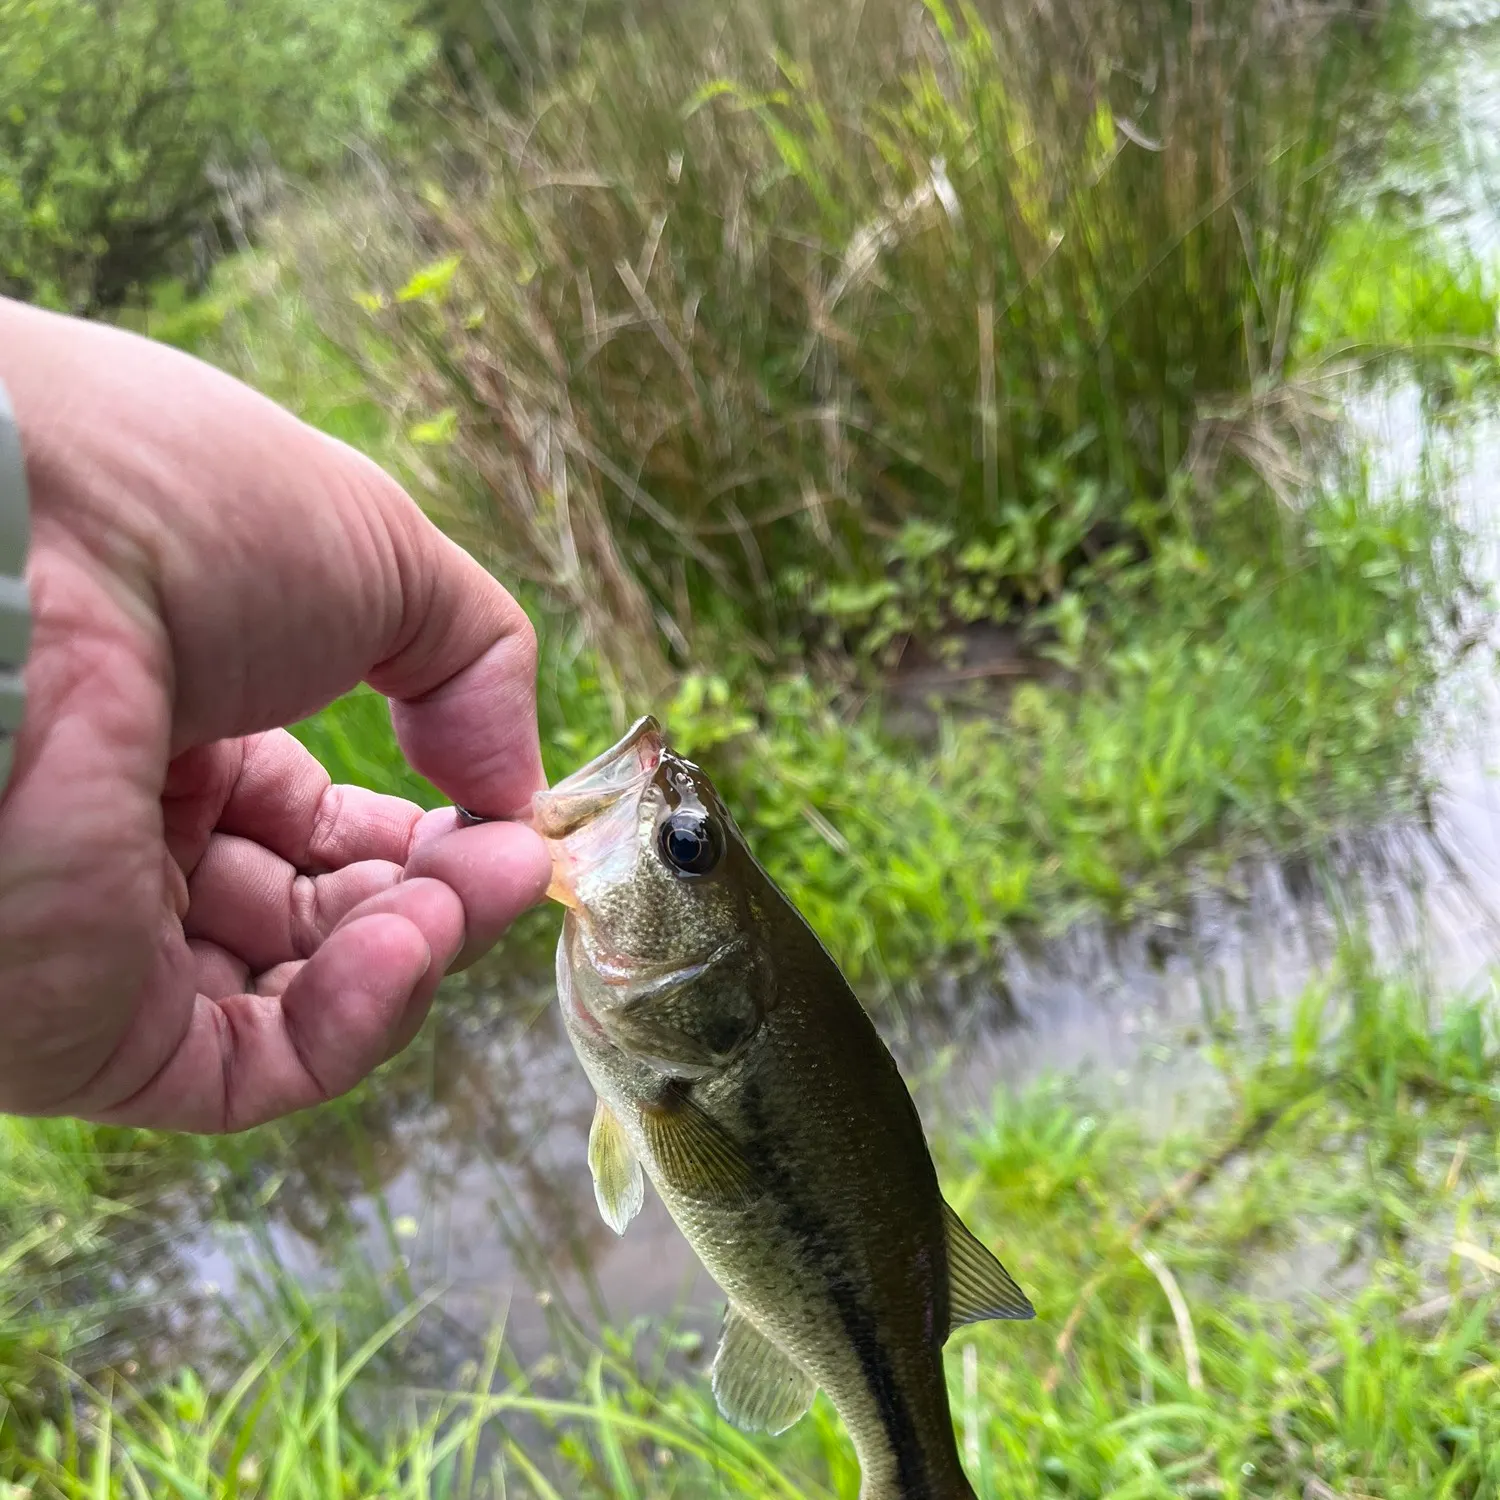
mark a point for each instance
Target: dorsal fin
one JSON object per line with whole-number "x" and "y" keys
{"x": 979, "y": 1287}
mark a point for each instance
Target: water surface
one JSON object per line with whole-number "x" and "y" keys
{"x": 467, "y": 1177}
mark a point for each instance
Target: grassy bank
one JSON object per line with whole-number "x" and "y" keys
{"x": 1295, "y": 1292}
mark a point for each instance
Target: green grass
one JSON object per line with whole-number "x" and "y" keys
{"x": 1397, "y": 294}
{"x": 65, "y": 1191}
{"x": 1299, "y": 1288}
{"x": 716, "y": 319}
{"x": 1213, "y": 710}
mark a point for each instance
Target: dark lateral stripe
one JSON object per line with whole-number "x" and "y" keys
{"x": 806, "y": 1222}
{"x": 890, "y": 1400}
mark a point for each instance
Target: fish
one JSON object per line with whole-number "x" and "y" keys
{"x": 734, "y": 1067}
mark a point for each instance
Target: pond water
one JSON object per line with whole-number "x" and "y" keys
{"x": 468, "y": 1176}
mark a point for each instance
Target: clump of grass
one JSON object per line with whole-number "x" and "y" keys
{"x": 1287, "y": 1302}
{"x": 65, "y": 1187}
{"x": 283, "y": 1429}
{"x": 700, "y": 335}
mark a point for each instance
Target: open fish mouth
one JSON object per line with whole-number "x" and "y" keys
{"x": 627, "y": 766}
{"x": 591, "y": 813}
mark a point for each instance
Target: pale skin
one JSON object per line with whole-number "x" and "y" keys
{"x": 197, "y": 930}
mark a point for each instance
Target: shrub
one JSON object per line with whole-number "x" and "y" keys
{"x": 123, "y": 125}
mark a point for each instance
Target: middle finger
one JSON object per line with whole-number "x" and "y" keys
{"x": 257, "y": 905}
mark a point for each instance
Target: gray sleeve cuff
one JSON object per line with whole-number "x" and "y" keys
{"x": 15, "y": 611}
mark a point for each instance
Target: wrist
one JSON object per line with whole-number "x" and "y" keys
{"x": 15, "y": 612}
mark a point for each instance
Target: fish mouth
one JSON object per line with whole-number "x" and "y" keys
{"x": 610, "y": 783}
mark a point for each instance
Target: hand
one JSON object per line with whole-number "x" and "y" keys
{"x": 197, "y": 931}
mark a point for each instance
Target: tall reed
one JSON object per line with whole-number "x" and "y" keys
{"x": 737, "y": 303}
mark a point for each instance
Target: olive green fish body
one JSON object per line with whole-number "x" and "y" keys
{"x": 735, "y": 1066}
{"x": 839, "y": 1256}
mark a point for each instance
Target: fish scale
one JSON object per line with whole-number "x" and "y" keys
{"x": 735, "y": 1069}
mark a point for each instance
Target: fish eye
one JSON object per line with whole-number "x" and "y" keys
{"x": 691, "y": 842}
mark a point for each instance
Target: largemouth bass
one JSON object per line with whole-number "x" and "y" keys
{"x": 735, "y": 1068}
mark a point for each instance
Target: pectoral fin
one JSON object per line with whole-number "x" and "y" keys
{"x": 757, "y": 1386}
{"x": 695, "y": 1154}
{"x": 979, "y": 1287}
{"x": 619, "y": 1183}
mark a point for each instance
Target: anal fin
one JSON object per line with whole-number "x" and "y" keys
{"x": 979, "y": 1287}
{"x": 757, "y": 1385}
{"x": 619, "y": 1183}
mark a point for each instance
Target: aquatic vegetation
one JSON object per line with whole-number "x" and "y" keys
{"x": 941, "y": 267}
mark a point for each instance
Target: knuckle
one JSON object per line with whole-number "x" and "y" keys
{"x": 323, "y": 832}
{"x": 306, "y": 928}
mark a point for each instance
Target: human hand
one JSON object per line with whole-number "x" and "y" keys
{"x": 197, "y": 931}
